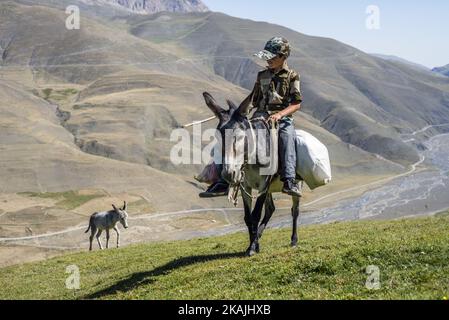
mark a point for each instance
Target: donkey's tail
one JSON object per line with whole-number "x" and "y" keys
{"x": 91, "y": 221}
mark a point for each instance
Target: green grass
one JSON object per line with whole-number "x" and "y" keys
{"x": 57, "y": 95}
{"x": 67, "y": 200}
{"x": 68, "y": 91}
{"x": 330, "y": 263}
{"x": 47, "y": 92}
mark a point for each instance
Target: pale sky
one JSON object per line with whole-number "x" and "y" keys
{"x": 415, "y": 30}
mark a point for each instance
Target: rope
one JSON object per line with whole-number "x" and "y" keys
{"x": 199, "y": 122}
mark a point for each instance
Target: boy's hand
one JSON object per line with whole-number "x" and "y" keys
{"x": 276, "y": 117}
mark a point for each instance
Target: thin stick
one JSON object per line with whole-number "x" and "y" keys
{"x": 199, "y": 122}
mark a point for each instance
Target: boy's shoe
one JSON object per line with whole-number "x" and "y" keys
{"x": 218, "y": 189}
{"x": 292, "y": 188}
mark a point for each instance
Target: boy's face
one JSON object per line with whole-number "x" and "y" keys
{"x": 276, "y": 62}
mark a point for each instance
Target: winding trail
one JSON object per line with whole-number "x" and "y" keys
{"x": 424, "y": 130}
{"x": 224, "y": 211}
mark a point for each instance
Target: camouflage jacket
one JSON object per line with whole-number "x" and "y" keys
{"x": 275, "y": 92}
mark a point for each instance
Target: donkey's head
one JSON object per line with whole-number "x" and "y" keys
{"x": 123, "y": 215}
{"x": 232, "y": 126}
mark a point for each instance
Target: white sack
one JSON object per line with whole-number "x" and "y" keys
{"x": 312, "y": 161}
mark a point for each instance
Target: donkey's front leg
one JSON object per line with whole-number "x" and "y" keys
{"x": 107, "y": 238}
{"x": 295, "y": 215}
{"x": 118, "y": 236}
{"x": 247, "y": 204}
{"x": 256, "y": 215}
{"x": 269, "y": 210}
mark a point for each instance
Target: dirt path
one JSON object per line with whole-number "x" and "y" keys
{"x": 424, "y": 130}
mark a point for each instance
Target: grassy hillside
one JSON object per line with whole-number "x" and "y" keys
{"x": 330, "y": 263}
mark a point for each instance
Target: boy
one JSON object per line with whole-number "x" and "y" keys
{"x": 276, "y": 93}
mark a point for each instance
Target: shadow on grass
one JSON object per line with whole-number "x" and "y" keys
{"x": 148, "y": 277}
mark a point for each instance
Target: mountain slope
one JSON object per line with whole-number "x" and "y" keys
{"x": 364, "y": 100}
{"x": 330, "y": 263}
{"x": 38, "y": 154}
{"x": 401, "y": 60}
{"x": 131, "y": 92}
{"x": 35, "y": 36}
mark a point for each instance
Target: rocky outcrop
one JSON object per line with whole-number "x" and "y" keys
{"x": 154, "y": 6}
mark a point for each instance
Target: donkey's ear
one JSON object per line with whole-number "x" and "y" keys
{"x": 232, "y": 106}
{"x": 114, "y": 207}
{"x": 213, "y": 106}
{"x": 244, "y": 107}
{"x": 125, "y": 206}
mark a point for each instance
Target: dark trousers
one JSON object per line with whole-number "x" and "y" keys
{"x": 287, "y": 149}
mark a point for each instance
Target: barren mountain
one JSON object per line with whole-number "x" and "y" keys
{"x": 110, "y": 8}
{"x": 366, "y": 101}
{"x": 153, "y": 6}
{"x": 123, "y": 83}
{"x": 38, "y": 154}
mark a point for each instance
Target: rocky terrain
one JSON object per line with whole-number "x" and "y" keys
{"x": 153, "y": 6}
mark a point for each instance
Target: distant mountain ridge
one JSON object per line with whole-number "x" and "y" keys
{"x": 442, "y": 70}
{"x": 153, "y": 6}
{"x": 401, "y": 60}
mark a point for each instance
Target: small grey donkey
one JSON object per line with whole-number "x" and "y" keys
{"x": 105, "y": 221}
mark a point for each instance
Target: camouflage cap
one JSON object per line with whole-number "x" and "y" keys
{"x": 275, "y": 46}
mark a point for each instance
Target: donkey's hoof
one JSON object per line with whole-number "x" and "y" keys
{"x": 257, "y": 248}
{"x": 250, "y": 253}
{"x": 294, "y": 244}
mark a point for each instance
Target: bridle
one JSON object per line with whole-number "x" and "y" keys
{"x": 233, "y": 193}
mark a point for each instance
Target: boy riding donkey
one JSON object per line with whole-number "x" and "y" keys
{"x": 277, "y": 96}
